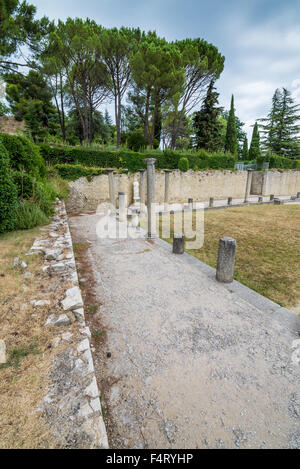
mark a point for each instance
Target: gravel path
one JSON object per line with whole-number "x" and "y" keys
{"x": 193, "y": 365}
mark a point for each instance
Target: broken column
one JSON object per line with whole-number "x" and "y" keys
{"x": 298, "y": 195}
{"x": 211, "y": 202}
{"x": 272, "y": 196}
{"x": 111, "y": 185}
{"x": 142, "y": 186}
{"x": 122, "y": 206}
{"x": 260, "y": 199}
{"x": 248, "y": 185}
{"x": 167, "y": 182}
{"x": 229, "y": 202}
{"x": 226, "y": 259}
{"x": 2, "y": 352}
{"x": 178, "y": 243}
{"x": 264, "y": 189}
{"x": 151, "y": 198}
{"x": 190, "y": 202}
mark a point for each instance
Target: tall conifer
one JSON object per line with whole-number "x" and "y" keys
{"x": 231, "y": 142}
{"x": 206, "y": 124}
{"x": 254, "y": 151}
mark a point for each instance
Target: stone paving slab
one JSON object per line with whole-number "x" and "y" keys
{"x": 193, "y": 363}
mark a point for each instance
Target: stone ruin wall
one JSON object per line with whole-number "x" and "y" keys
{"x": 198, "y": 185}
{"x": 277, "y": 182}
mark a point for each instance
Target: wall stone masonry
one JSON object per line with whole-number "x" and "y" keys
{"x": 275, "y": 181}
{"x": 198, "y": 185}
{"x": 72, "y": 406}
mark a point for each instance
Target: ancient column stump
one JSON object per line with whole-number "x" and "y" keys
{"x": 226, "y": 259}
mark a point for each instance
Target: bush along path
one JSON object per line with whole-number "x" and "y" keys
{"x": 72, "y": 406}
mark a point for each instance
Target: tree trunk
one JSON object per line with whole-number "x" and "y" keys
{"x": 146, "y": 121}
{"x": 91, "y": 126}
{"x": 118, "y": 118}
{"x": 155, "y": 114}
{"x": 63, "y": 125}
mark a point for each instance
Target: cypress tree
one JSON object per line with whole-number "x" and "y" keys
{"x": 245, "y": 152}
{"x": 254, "y": 151}
{"x": 231, "y": 142}
{"x": 206, "y": 124}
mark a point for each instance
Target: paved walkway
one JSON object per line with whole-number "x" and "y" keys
{"x": 193, "y": 363}
{"x": 252, "y": 200}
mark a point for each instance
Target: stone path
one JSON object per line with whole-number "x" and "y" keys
{"x": 193, "y": 363}
{"x": 219, "y": 203}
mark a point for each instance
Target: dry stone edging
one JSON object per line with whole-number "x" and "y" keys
{"x": 72, "y": 406}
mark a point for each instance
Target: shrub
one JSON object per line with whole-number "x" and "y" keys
{"x": 8, "y": 194}
{"x": 44, "y": 196}
{"x": 183, "y": 164}
{"x": 25, "y": 184}
{"x": 276, "y": 161}
{"x": 136, "y": 141}
{"x": 133, "y": 161}
{"x": 72, "y": 172}
{"x": 29, "y": 215}
{"x": 24, "y": 155}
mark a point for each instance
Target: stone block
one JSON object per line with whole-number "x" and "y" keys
{"x": 2, "y": 352}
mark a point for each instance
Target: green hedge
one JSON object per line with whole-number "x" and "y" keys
{"x": 24, "y": 155}
{"x": 72, "y": 172}
{"x": 26, "y": 195}
{"x": 134, "y": 161}
{"x": 8, "y": 194}
{"x": 279, "y": 162}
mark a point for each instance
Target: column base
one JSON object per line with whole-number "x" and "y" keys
{"x": 151, "y": 235}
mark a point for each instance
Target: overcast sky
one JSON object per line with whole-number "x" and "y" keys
{"x": 260, "y": 39}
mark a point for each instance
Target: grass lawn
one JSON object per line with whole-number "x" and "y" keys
{"x": 24, "y": 379}
{"x": 268, "y": 248}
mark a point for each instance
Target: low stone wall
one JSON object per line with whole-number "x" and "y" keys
{"x": 199, "y": 185}
{"x": 277, "y": 182}
{"x": 72, "y": 406}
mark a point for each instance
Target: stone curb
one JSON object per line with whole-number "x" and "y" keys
{"x": 72, "y": 406}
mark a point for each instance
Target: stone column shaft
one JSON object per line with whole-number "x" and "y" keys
{"x": 264, "y": 189}
{"x": 142, "y": 186}
{"x": 248, "y": 185}
{"x": 167, "y": 183}
{"x": 122, "y": 206}
{"x": 226, "y": 259}
{"x": 151, "y": 198}
{"x": 112, "y": 197}
{"x": 178, "y": 243}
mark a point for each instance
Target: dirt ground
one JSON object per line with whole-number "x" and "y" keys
{"x": 24, "y": 379}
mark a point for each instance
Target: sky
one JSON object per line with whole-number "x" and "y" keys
{"x": 260, "y": 39}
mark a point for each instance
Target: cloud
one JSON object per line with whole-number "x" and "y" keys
{"x": 259, "y": 38}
